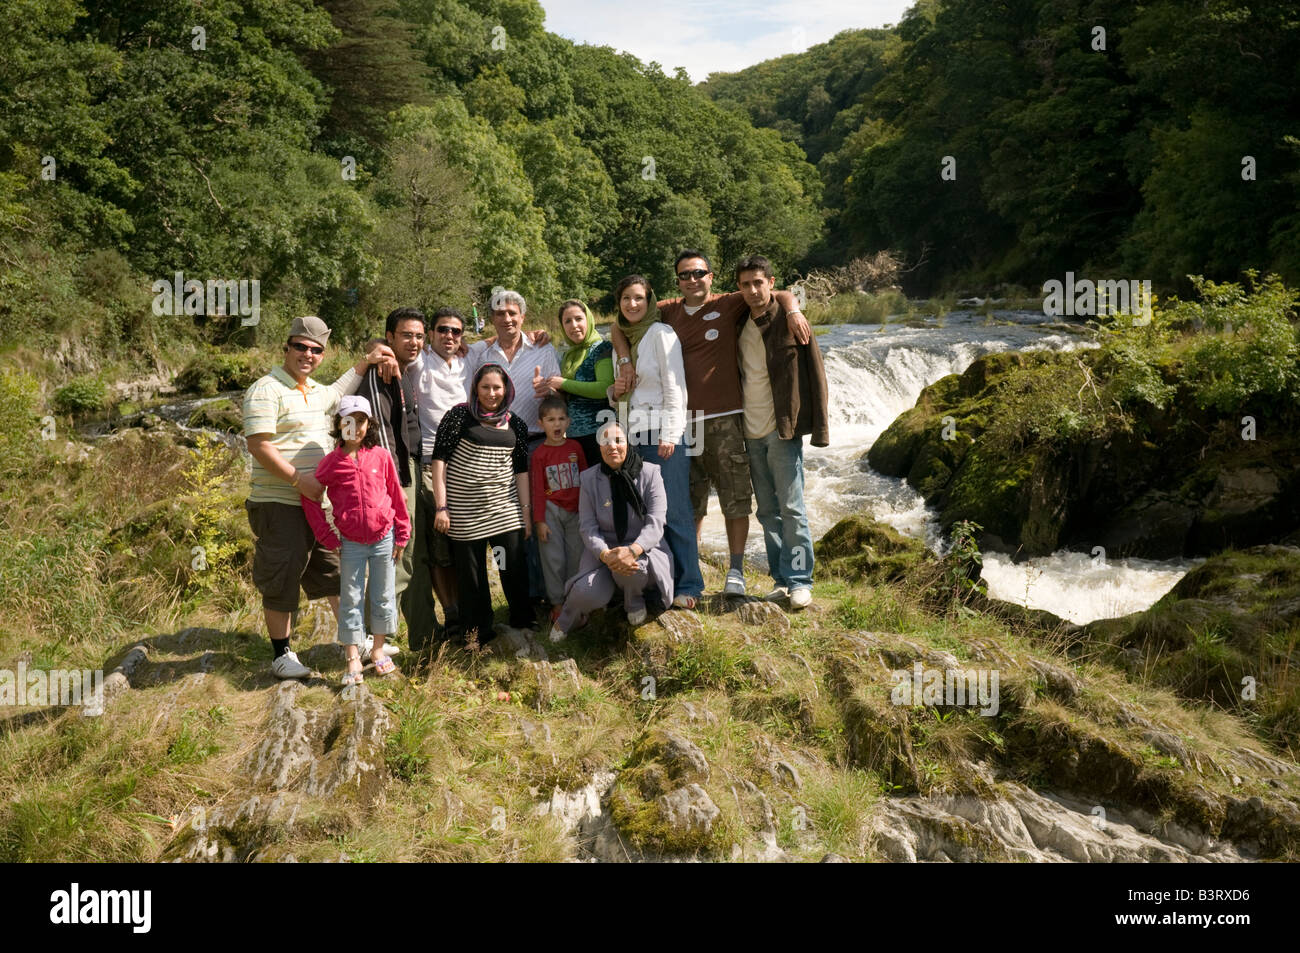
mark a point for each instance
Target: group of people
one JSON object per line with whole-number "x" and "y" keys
{"x": 576, "y": 475}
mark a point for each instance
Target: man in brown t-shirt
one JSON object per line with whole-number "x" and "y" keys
{"x": 708, "y": 327}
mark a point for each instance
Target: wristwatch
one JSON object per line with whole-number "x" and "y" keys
{"x": 624, "y": 360}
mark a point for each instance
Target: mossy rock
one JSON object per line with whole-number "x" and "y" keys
{"x": 659, "y": 802}
{"x": 1230, "y": 622}
{"x": 223, "y": 415}
{"x": 858, "y": 547}
{"x": 211, "y": 372}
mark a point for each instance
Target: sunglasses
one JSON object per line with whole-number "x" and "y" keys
{"x": 306, "y": 348}
{"x": 448, "y": 329}
{"x": 697, "y": 274}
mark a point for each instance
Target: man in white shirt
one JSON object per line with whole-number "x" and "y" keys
{"x": 524, "y": 361}
{"x": 440, "y": 382}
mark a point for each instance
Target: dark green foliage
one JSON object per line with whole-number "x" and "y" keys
{"x": 1070, "y": 154}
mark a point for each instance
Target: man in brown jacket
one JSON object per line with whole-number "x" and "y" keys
{"x": 784, "y": 386}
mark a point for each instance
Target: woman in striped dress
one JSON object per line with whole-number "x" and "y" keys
{"x": 480, "y": 486}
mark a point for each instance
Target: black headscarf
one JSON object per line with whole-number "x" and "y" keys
{"x": 503, "y": 411}
{"x": 622, "y": 483}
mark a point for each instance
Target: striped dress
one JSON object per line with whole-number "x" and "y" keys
{"x": 482, "y": 461}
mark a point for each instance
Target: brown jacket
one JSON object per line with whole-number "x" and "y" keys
{"x": 797, "y": 376}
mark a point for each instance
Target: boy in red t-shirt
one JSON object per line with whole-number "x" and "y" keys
{"x": 554, "y": 471}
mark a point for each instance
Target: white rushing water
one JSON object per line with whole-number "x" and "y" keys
{"x": 874, "y": 373}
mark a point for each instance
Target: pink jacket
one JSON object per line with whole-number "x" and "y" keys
{"x": 367, "y": 498}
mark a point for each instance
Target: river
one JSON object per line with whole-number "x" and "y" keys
{"x": 874, "y": 373}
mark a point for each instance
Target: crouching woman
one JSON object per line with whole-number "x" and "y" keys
{"x": 621, "y": 511}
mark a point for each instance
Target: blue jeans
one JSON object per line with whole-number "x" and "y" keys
{"x": 679, "y": 527}
{"x": 776, "y": 470}
{"x": 354, "y": 559}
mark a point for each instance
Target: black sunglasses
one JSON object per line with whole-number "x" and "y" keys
{"x": 306, "y": 348}
{"x": 687, "y": 275}
{"x": 448, "y": 329}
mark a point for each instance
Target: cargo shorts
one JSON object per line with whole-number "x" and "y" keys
{"x": 724, "y": 464}
{"x": 287, "y": 556}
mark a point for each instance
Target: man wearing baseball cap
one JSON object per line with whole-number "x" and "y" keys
{"x": 287, "y": 419}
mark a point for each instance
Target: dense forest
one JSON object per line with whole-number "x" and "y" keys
{"x": 353, "y": 153}
{"x": 1155, "y": 140}
{"x": 350, "y": 154}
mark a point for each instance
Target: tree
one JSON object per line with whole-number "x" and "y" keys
{"x": 426, "y": 237}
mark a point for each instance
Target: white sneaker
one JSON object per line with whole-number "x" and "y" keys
{"x": 777, "y": 594}
{"x": 801, "y": 598}
{"x": 368, "y": 646}
{"x": 288, "y": 666}
{"x": 735, "y": 585}
{"x": 558, "y": 634}
{"x": 636, "y": 617}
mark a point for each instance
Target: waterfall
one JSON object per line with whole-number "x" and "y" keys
{"x": 874, "y": 373}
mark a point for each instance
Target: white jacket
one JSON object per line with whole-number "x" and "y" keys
{"x": 659, "y": 400}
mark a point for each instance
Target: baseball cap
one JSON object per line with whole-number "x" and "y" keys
{"x": 312, "y": 328}
{"x": 353, "y": 403}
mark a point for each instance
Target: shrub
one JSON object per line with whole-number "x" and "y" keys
{"x": 81, "y": 395}
{"x": 211, "y": 372}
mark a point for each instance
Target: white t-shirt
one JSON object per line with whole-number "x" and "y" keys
{"x": 760, "y": 409}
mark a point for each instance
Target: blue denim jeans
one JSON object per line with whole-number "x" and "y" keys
{"x": 776, "y": 469}
{"x": 679, "y": 527}
{"x": 354, "y": 559}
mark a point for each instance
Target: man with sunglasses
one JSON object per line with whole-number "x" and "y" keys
{"x": 440, "y": 382}
{"x": 708, "y": 327}
{"x": 287, "y": 422}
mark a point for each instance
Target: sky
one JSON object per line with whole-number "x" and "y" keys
{"x": 711, "y": 36}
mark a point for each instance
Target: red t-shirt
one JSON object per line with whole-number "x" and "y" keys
{"x": 554, "y": 475}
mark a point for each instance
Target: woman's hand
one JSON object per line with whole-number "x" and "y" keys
{"x": 666, "y": 450}
{"x": 528, "y": 529}
{"x": 442, "y": 522}
{"x": 555, "y": 383}
{"x": 620, "y": 560}
{"x": 397, "y": 553}
{"x": 543, "y": 532}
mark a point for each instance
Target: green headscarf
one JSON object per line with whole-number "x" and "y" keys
{"x": 635, "y": 332}
{"x": 572, "y": 359}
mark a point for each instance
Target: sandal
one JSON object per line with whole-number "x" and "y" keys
{"x": 684, "y": 602}
{"x": 384, "y": 665}
{"x": 352, "y": 678}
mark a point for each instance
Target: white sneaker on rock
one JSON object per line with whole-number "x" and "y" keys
{"x": 735, "y": 585}
{"x": 636, "y": 616}
{"x": 558, "y": 634}
{"x": 288, "y": 666}
{"x": 777, "y": 594}
{"x": 801, "y": 598}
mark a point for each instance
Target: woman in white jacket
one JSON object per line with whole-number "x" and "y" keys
{"x": 656, "y": 423}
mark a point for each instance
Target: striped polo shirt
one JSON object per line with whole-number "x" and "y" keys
{"x": 300, "y": 419}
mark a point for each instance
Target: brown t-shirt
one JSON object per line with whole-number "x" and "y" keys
{"x": 709, "y": 338}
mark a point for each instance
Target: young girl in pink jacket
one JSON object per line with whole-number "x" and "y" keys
{"x": 371, "y": 527}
